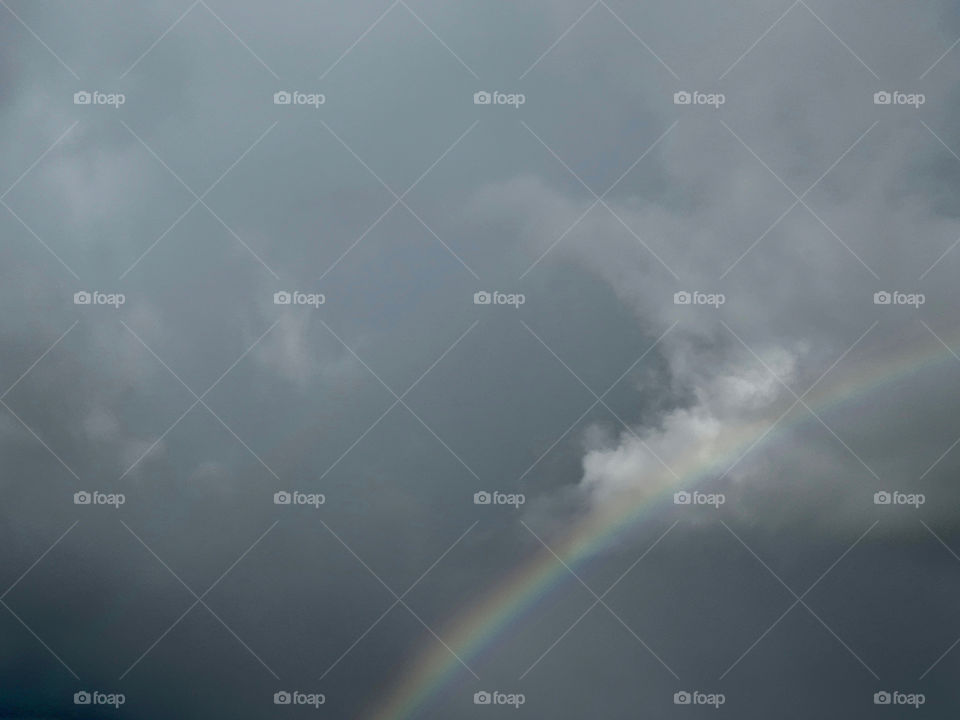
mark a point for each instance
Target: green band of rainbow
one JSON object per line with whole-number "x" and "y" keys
{"x": 480, "y": 625}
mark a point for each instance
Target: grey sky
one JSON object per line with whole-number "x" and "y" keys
{"x": 398, "y": 198}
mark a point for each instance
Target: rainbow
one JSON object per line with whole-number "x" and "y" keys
{"x": 479, "y": 626}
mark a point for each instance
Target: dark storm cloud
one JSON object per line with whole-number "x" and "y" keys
{"x": 398, "y": 398}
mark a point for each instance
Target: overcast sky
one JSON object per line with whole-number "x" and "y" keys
{"x": 788, "y": 168}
